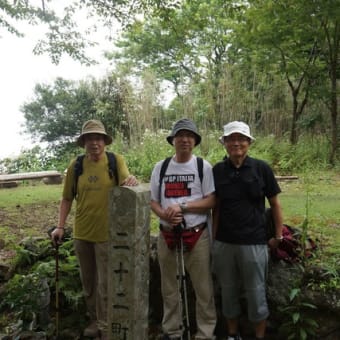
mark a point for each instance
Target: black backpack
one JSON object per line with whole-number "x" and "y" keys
{"x": 165, "y": 165}
{"x": 78, "y": 169}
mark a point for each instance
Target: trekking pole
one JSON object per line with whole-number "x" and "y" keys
{"x": 185, "y": 293}
{"x": 178, "y": 276}
{"x": 56, "y": 255}
{"x": 57, "y": 289}
{"x": 181, "y": 280}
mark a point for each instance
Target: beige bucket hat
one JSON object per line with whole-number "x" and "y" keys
{"x": 93, "y": 126}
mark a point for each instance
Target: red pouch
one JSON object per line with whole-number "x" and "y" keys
{"x": 169, "y": 237}
{"x": 189, "y": 238}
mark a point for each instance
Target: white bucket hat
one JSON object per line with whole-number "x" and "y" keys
{"x": 236, "y": 127}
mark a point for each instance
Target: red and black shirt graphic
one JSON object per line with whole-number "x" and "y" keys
{"x": 178, "y": 185}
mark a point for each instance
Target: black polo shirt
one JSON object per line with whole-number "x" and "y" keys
{"x": 241, "y": 193}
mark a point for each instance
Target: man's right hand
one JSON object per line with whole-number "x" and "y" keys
{"x": 57, "y": 235}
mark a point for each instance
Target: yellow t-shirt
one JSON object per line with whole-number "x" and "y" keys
{"x": 92, "y": 201}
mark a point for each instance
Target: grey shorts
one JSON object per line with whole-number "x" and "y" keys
{"x": 241, "y": 270}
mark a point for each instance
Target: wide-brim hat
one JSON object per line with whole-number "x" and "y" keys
{"x": 184, "y": 124}
{"x": 236, "y": 127}
{"x": 93, "y": 126}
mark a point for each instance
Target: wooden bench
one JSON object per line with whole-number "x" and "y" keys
{"x": 286, "y": 178}
{"x": 6, "y": 185}
{"x": 48, "y": 177}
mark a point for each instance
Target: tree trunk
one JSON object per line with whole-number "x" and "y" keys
{"x": 334, "y": 115}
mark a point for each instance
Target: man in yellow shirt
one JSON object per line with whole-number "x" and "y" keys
{"x": 91, "y": 227}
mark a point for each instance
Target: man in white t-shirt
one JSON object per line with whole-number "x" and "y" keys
{"x": 182, "y": 201}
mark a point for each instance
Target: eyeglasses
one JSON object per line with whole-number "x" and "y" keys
{"x": 240, "y": 139}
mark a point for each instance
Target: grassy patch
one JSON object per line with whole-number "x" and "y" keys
{"x": 315, "y": 199}
{"x": 29, "y": 194}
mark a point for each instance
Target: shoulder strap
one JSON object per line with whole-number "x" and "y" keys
{"x": 162, "y": 173}
{"x": 200, "y": 168}
{"x": 78, "y": 170}
{"x": 165, "y": 165}
{"x": 112, "y": 166}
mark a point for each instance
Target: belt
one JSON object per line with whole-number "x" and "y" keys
{"x": 194, "y": 229}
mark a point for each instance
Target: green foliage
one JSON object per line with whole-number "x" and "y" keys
{"x": 24, "y": 257}
{"x": 69, "y": 280}
{"x": 296, "y": 324}
{"x": 273, "y": 55}
{"x": 61, "y": 37}
{"x": 58, "y": 110}
{"x": 189, "y": 46}
{"x": 26, "y": 294}
{"x": 210, "y": 148}
{"x": 19, "y": 10}
{"x": 153, "y": 148}
{"x": 23, "y": 297}
{"x": 29, "y": 252}
{"x": 30, "y": 160}
{"x": 310, "y": 153}
{"x": 329, "y": 280}
{"x": 287, "y": 37}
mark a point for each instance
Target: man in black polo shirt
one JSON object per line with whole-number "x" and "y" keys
{"x": 240, "y": 252}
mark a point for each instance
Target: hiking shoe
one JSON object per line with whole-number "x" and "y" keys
{"x": 168, "y": 337}
{"x": 234, "y": 337}
{"x": 91, "y": 331}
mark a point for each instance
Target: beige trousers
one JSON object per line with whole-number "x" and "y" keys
{"x": 198, "y": 265}
{"x": 93, "y": 263}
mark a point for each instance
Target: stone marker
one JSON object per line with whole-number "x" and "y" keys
{"x": 128, "y": 290}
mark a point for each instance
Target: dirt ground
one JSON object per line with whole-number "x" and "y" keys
{"x": 23, "y": 221}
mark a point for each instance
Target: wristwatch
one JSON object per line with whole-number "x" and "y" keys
{"x": 183, "y": 206}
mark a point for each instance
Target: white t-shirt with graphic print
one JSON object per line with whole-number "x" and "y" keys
{"x": 181, "y": 183}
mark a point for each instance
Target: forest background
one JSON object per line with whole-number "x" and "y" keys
{"x": 272, "y": 64}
